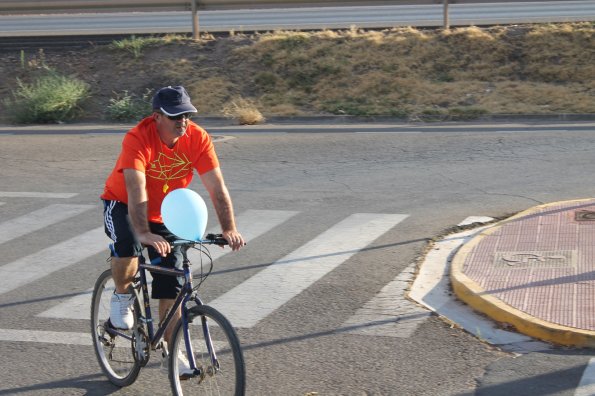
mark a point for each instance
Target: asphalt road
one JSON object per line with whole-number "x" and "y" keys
{"x": 302, "y": 196}
{"x": 297, "y": 18}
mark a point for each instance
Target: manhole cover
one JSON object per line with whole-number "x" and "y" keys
{"x": 536, "y": 259}
{"x": 584, "y": 215}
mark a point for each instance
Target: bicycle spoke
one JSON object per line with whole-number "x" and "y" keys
{"x": 225, "y": 376}
{"x": 114, "y": 352}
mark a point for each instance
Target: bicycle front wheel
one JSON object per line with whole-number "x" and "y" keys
{"x": 115, "y": 352}
{"x": 220, "y": 371}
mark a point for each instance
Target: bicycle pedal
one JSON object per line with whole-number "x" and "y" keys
{"x": 187, "y": 376}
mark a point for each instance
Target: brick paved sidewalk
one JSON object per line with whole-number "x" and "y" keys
{"x": 535, "y": 272}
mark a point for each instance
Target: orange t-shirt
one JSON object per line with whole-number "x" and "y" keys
{"x": 165, "y": 169}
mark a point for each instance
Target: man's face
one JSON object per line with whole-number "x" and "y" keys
{"x": 172, "y": 126}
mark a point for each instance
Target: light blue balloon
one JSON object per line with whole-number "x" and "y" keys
{"x": 185, "y": 214}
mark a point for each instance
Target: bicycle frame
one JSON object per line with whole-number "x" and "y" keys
{"x": 183, "y": 297}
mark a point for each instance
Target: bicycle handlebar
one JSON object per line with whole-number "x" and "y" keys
{"x": 210, "y": 239}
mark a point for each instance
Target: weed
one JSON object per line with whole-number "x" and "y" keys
{"x": 293, "y": 42}
{"x": 127, "y": 107}
{"x": 135, "y": 45}
{"x": 243, "y": 111}
{"x": 52, "y": 97}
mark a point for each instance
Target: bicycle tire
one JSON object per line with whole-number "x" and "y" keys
{"x": 230, "y": 377}
{"x": 114, "y": 354}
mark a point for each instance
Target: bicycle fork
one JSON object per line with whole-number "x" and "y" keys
{"x": 187, "y": 318}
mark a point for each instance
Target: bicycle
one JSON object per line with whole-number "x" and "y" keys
{"x": 211, "y": 346}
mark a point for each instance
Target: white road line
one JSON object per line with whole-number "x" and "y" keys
{"x": 251, "y": 301}
{"x": 14, "y": 194}
{"x": 252, "y": 224}
{"x": 50, "y": 337}
{"x": 587, "y": 385}
{"x": 40, "y": 264}
{"x": 36, "y": 220}
{"x": 72, "y": 338}
{"x": 389, "y": 313}
{"x": 475, "y": 219}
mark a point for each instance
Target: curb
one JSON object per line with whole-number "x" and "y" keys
{"x": 470, "y": 292}
{"x": 215, "y": 121}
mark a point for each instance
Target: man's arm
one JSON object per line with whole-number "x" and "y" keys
{"x": 213, "y": 182}
{"x": 137, "y": 210}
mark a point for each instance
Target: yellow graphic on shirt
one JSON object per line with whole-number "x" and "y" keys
{"x": 167, "y": 168}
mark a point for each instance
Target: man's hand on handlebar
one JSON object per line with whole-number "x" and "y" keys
{"x": 234, "y": 239}
{"x": 159, "y": 243}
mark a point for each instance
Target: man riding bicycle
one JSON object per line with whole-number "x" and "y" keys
{"x": 158, "y": 156}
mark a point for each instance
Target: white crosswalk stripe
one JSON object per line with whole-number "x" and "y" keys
{"x": 38, "y": 265}
{"x": 49, "y": 337}
{"x": 389, "y": 313}
{"x": 253, "y": 300}
{"x": 253, "y": 224}
{"x": 39, "y": 219}
{"x": 586, "y": 387}
{"x": 26, "y": 194}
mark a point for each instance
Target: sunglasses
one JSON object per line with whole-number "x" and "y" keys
{"x": 179, "y": 116}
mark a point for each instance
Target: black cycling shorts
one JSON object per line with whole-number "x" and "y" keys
{"x": 119, "y": 229}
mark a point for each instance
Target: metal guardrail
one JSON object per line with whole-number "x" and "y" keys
{"x": 16, "y": 7}
{"x": 20, "y": 7}
{"x": 59, "y": 6}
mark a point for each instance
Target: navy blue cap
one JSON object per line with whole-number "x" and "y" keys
{"x": 173, "y": 101}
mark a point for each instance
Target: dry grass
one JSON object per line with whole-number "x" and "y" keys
{"x": 244, "y": 111}
{"x": 464, "y": 72}
{"x": 530, "y": 69}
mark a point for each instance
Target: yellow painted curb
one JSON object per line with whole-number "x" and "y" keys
{"x": 475, "y": 296}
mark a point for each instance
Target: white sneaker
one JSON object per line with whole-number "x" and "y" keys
{"x": 121, "y": 311}
{"x": 183, "y": 364}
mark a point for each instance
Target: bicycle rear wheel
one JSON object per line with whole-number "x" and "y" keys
{"x": 115, "y": 353}
{"x": 226, "y": 375}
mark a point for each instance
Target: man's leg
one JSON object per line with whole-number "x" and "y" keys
{"x": 124, "y": 264}
{"x": 165, "y": 305}
{"x": 165, "y": 289}
{"x": 123, "y": 270}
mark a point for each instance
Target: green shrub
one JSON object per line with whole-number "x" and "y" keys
{"x": 52, "y": 97}
{"x": 126, "y": 107}
{"x": 135, "y": 45}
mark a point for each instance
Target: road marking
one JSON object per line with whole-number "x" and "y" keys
{"x": 252, "y": 224}
{"x": 40, "y": 264}
{"x": 39, "y": 219}
{"x": 253, "y": 300}
{"x": 72, "y": 338}
{"x": 586, "y": 386}
{"x": 431, "y": 288}
{"x": 389, "y": 313}
{"x": 13, "y": 194}
{"x": 50, "y": 337}
{"x": 476, "y": 219}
